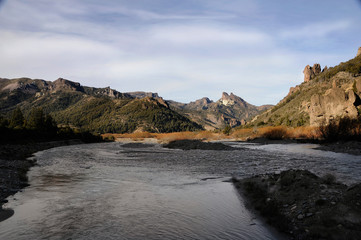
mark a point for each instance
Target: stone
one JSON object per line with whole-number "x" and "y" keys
{"x": 300, "y": 216}
{"x": 311, "y": 72}
{"x": 358, "y": 52}
{"x": 316, "y": 68}
{"x": 307, "y": 73}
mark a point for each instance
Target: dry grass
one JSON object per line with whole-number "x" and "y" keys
{"x": 283, "y": 132}
{"x": 278, "y": 132}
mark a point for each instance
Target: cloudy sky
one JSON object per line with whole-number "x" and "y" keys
{"x": 184, "y": 50}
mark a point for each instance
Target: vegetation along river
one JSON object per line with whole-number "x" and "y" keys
{"x": 135, "y": 191}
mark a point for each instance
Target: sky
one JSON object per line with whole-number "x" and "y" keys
{"x": 183, "y": 50}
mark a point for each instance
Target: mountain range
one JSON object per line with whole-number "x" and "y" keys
{"x": 228, "y": 110}
{"x": 107, "y": 110}
{"x": 95, "y": 109}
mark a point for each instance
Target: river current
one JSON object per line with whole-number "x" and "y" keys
{"x": 144, "y": 191}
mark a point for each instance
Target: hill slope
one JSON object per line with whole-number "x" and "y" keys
{"x": 333, "y": 93}
{"x": 95, "y": 109}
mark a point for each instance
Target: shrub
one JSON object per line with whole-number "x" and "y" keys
{"x": 343, "y": 129}
{"x": 276, "y": 133}
{"x": 227, "y": 130}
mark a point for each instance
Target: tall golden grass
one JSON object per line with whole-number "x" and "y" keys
{"x": 278, "y": 132}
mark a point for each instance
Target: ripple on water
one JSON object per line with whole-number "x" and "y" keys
{"x": 99, "y": 191}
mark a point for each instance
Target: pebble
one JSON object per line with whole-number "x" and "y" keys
{"x": 309, "y": 214}
{"x": 293, "y": 208}
{"x": 333, "y": 203}
{"x": 300, "y": 216}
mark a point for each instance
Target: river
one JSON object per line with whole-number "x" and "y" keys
{"x": 144, "y": 191}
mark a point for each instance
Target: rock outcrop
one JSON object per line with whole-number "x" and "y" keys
{"x": 311, "y": 72}
{"x": 358, "y": 52}
{"x": 200, "y": 104}
{"x": 62, "y": 84}
{"x": 339, "y": 101}
{"x": 140, "y": 94}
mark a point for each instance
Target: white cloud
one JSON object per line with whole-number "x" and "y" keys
{"x": 205, "y": 35}
{"x": 316, "y": 30}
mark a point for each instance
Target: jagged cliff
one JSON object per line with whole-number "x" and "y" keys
{"x": 228, "y": 110}
{"x": 323, "y": 96}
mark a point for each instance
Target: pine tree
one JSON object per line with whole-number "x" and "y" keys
{"x": 17, "y": 119}
{"x": 36, "y": 119}
{"x": 50, "y": 124}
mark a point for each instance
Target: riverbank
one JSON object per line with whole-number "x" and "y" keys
{"x": 14, "y": 166}
{"x": 349, "y": 147}
{"x": 305, "y": 206}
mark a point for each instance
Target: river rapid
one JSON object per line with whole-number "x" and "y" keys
{"x": 144, "y": 191}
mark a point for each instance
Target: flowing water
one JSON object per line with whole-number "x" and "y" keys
{"x": 135, "y": 191}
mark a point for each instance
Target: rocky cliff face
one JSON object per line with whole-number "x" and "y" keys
{"x": 341, "y": 100}
{"x": 358, "y": 52}
{"x": 140, "y": 94}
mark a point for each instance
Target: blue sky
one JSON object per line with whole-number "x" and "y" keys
{"x": 184, "y": 50}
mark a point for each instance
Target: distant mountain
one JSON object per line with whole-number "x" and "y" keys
{"x": 95, "y": 109}
{"x": 323, "y": 96}
{"x": 228, "y": 110}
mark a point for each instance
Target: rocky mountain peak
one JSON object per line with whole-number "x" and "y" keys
{"x": 227, "y": 99}
{"x": 225, "y": 96}
{"x": 200, "y": 104}
{"x": 206, "y": 100}
{"x": 358, "y": 52}
{"x": 311, "y": 72}
{"x": 63, "y": 84}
